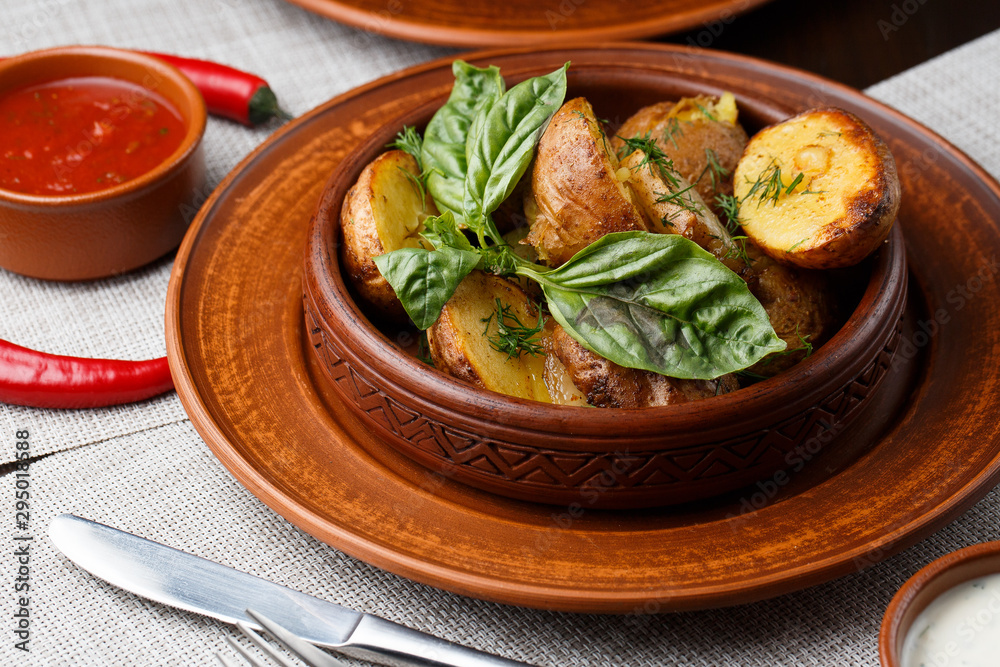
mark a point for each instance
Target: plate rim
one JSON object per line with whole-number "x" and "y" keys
{"x": 568, "y": 599}
{"x": 348, "y": 13}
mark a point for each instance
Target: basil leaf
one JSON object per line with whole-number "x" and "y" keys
{"x": 502, "y": 142}
{"x": 443, "y": 151}
{"x": 660, "y": 303}
{"x": 443, "y": 232}
{"x": 424, "y": 280}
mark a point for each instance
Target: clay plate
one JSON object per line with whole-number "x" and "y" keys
{"x": 925, "y": 450}
{"x": 481, "y": 23}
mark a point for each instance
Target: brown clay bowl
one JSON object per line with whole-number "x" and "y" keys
{"x": 111, "y": 231}
{"x": 608, "y": 458}
{"x": 924, "y": 587}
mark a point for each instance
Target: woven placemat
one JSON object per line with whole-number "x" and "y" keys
{"x": 164, "y": 484}
{"x": 144, "y": 469}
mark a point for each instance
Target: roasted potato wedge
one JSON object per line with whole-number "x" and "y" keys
{"x": 672, "y": 206}
{"x": 460, "y": 341}
{"x": 799, "y": 304}
{"x": 701, "y": 135}
{"x": 384, "y": 211}
{"x": 819, "y": 190}
{"x": 576, "y": 195}
{"x": 605, "y": 384}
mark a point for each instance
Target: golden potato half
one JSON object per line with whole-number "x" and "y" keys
{"x": 819, "y": 190}
{"x": 384, "y": 211}
{"x": 693, "y": 132}
{"x": 576, "y": 195}
{"x": 460, "y": 340}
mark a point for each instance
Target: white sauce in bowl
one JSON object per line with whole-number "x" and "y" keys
{"x": 960, "y": 627}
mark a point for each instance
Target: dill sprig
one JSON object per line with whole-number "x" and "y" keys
{"x": 768, "y": 186}
{"x": 715, "y": 171}
{"x": 513, "y": 338}
{"x": 738, "y": 249}
{"x": 708, "y": 114}
{"x": 804, "y": 344}
{"x": 418, "y": 182}
{"x": 409, "y": 140}
{"x": 653, "y": 156}
{"x": 681, "y": 199}
{"x": 673, "y": 130}
{"x": 797, "y": 244}
{"x": 730, "y": 207}
{"x": 791, "y": 187}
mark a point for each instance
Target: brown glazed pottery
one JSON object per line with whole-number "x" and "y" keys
{"x": 98, "y": 234}
{"x": 926, "y": 447}
{"x": 924, "y": 587}
{"x": 480, "y": 23}
{"x": 558, "y": 454}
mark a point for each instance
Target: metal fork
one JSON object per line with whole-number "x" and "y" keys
{"x": 309, "y": 653}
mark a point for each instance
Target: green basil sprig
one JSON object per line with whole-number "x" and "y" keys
{"x": 424, "y": 279}
{"x": 502, "y": 137}
{"x": 443, "y": 151}
{"x": 658, "y": 302}
{"x": 502, "y": 144}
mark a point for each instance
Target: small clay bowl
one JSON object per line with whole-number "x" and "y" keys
{"x": 110, "y": 231}
{"x": 924, "y": 587}
{"x": 602, "y": 458}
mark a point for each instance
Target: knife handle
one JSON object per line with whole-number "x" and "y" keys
{"x": 386, "y": 643}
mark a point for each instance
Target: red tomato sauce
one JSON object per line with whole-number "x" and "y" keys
{"x": 84, "y": 134}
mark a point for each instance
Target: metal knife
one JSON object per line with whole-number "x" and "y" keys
{"x": 178, "y": 579}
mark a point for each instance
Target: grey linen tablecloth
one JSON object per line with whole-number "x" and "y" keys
{"x": 144, "y": 468}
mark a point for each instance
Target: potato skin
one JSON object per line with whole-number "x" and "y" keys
{"x": 459, "y": 346}
{"x": 376, "y": 217}
{"x": 845, "y": 205}
{"x": 687, "y": 144}
{"x": 576, "y": 197}
{"x": 608, "y": 385}
{"x": 800, "y": 305}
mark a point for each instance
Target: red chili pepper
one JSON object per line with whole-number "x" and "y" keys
{"x": 229, "y": 92}
{"x": 42, "y": 380}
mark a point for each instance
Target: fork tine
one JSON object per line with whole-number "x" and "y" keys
{"x": 259, "y": 642}
{"x": 300, "y": 647}
{"x": 254, "y": 662}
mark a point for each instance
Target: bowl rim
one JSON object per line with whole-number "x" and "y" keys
{"x": 910, "y": 600}
{"x": 194, "y": 116}
{"x": 835, "y": 363}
